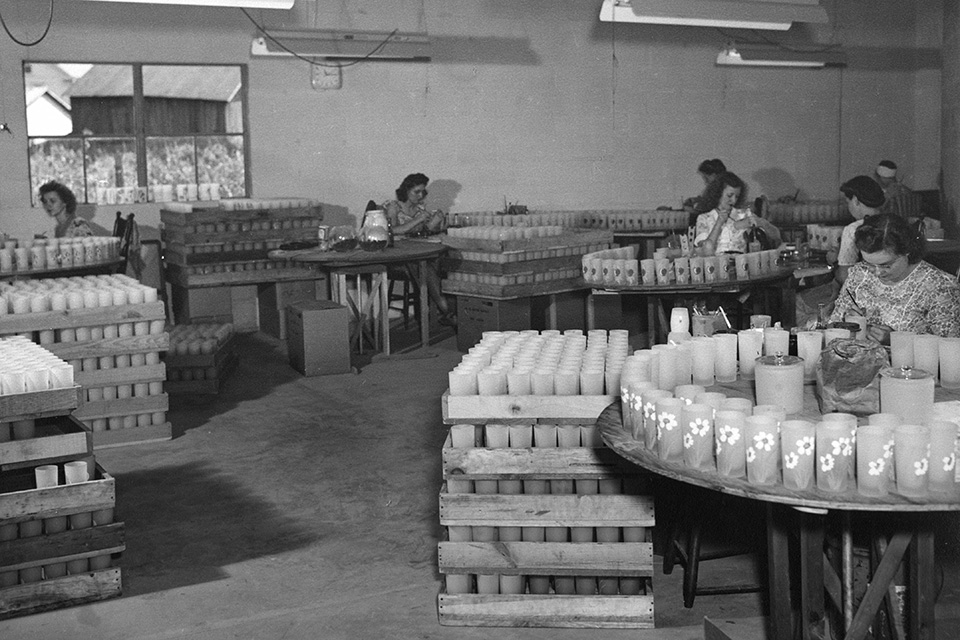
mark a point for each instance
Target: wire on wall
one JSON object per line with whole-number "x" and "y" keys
{"x": 43, "y": 35}
{"x": 312, "y": 61}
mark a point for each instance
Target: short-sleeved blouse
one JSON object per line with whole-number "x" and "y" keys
{"x": 731, "y": 239}
{"x": 849, "y": 255}
{"x": 926, "y": 301}
{"x": 74, "y": 228}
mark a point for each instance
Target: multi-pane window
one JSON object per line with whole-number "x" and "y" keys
{"x": 122, "y": 133}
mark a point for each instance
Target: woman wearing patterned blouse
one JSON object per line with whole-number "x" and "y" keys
{"x": 60, "y": 203}
{"x": 893, "y": 288}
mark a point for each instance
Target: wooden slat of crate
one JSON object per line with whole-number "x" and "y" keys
{"x": 60, "y": 592}
{"x": 542, "y": 265}
{"x": 524, "y": 290}
{"x": 483, "y": 409}
{"x": 177, "y": 275}
{"x": 547, "y": 558}
{"x": 538, "y": 463}
{"x": 38, "y": 404}
{"x": 122, "y": 375}
{"x": 564, "y": 510}
{"x": 62, "y": 500}
{"x": 171, "y": 256}
{"x": 122, "y": 407}
{"x": 530, "y": 610}
{"x": 207, "y": 385}
{"x": 133, "y": 435}
{"x": 66, "y": 439}
{"x": 73, "y": 318}
{"x": 70, "y": 545}
{"x": 213, "y": 215}
{"x": 110, "y": 346}
{"x": 525, "y": 244}
{"x": 180, "y": 237}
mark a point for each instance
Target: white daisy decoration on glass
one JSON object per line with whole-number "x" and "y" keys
{"x": 719, "y": 447}
{"x": 920, "y": 467}
{"x": 624, "y": 396}
{"x": 687, "y": 440}
{"x": 649, "y": 410}
{"x": 876, "y": 466}
{"x": 826, "y": 462}
{"x": 688, "y": 400}
{"x": 949, "y": 462}
{"x": 842, "y": 446}
{"x": 751, "y": 454}
{"x": 659, "y": 432}
{"x": 700, "y": 427}
{"x": 637, "y": 403}
{"x": 791, "y": 460}
{"x": 888, "y": 450}
{"x": 806, "y": 445}
{"x": 728, "y": 434}
{"x": 764, "y": 441}
{"x": 667, "y": 421}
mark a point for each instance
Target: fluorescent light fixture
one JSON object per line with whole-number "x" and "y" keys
{"x": 776, "y": 15}
{"x": 343, "y": 45}
{"x": 244, "y": 4}
{"x": 757, "y": 56}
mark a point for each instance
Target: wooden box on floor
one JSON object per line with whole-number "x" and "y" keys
{"x": 122, "y": 377}
{"x": 69, "y": 566}
{"x": 201, "y": 373}
{"x": 595, "y": 573}
{"x": 274, "y": 298}
{"x": 318, "y": 339}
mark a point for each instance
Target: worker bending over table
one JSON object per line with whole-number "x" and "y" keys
{"x": 893, "y": 288}
{"x": 725, "y": 227}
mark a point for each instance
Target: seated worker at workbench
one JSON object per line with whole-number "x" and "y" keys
{"x": 893, "y": 288}
{"x": 724, "y": 227}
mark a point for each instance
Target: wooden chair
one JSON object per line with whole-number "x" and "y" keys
{"x": 409, "y": 298}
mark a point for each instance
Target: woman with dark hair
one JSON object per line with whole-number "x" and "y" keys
{"x": 722, "y": 229}
{"x": 708, "y": 170}
{"x": 864, "y": 198}
{"x": 407, "y": 214}
{"x": 409, "y": 217}
{"x": 60, "y": 203}
{"x": 893, "y": 288}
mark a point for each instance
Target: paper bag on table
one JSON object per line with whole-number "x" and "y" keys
{"x": 848, "y": 376}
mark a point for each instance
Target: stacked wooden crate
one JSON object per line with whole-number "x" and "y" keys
{"x": 59, "y": 545}
{"x": 216, "y": 256}
{"x": 115, "y": 351}
{"x": 540, "y": 535}
{"x": 518, "y": 267}
{"x": 618, "y": 220}
{"x": 200, "y": 358}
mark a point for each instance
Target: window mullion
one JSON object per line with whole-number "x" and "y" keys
{"x": 139, "y": 125}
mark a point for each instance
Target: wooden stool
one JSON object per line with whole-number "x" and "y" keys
{"x": 368, "y": 306}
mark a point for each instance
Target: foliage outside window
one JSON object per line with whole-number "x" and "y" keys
{"x": 120, "y": 133}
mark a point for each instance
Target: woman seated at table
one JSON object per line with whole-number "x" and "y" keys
{"x": 407, "y": 214}
{"x": 409, "y": 217}
{"x": 60, "y": 203}
{"x": 723, "y": 228}
{"x": 893, "y": 288}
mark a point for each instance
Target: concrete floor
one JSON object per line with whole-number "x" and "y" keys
{"x": 291, "y": 507}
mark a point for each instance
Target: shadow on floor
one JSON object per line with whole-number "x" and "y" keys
{"x": 184, "y": 523}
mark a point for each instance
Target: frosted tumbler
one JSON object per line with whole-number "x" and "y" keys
{"x": 872, "y": 476}
{"x": 950, "y": 363}
{"x": 763, "y": 449}
{"x": 943, "y": 456}
{"x": 797, "y": 446}
{"x": 834, "y": 456}
{"x": 698, "y": 442}
{"x": 911, "y": 455}
{"x": 669, "y": 431}
{"x": 729, "y": 441}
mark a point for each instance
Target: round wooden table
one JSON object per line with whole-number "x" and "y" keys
{"x": 906, "y": 520}
{"x": 406, "y": 252}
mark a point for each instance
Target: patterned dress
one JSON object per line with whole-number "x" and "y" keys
{"x": 74, "y": 228}
{"x": 926, "y": 301}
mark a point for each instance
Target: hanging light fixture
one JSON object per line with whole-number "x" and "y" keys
{"x": 243, "y": 4}
{"x": 769, "y": 56}
{"x": 776, "y": 15}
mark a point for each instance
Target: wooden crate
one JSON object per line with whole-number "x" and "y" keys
{"x": 631, "y": 508}
{"x": 565, "y": 239}
{"x": 484, "y": 409}
{"x": 39, "y": 404}
{"x": 20, "y": 503}
{"x": 222, "y": 361}
{"x": 522, "y": 290}
{"x": 58, "y": 438}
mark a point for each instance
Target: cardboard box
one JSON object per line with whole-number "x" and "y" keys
{"x": 274, "y": 297}
{"x": 318, "y": 339}
{"x": 476, "y": 315}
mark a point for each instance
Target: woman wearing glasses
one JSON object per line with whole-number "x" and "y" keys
{"x": 893, "y": 288}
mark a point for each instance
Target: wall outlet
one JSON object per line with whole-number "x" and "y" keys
{"x": 325, "y": 77}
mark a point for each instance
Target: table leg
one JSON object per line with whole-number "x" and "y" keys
{"x": 591, "y": 312}
{"x": 384, "y": 311}
{"x": 652, "y": 302}
{"x": 885, "y": 573}
{"x": 846, "y": 560}
{"x": 778, "y": 573}
{"x": 424, "y": 305}
{"x": 552, "y": 311}
{"x": 812, "y": 617}
{"x": 921, "y": 582}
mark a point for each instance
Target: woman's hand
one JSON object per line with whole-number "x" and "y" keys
{"x": 879, "y": 333}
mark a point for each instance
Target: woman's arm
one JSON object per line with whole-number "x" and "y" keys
{"x": 392, "y": 209}
{"x": 944, "y": 314}
{"x": 708, "y": 234}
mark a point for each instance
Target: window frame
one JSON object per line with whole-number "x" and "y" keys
{"x": 139, "y": 134}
